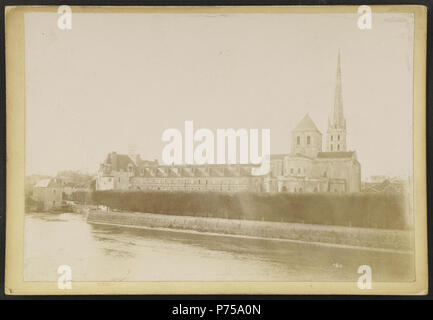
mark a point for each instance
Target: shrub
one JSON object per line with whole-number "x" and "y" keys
{"x": 379, "y": 210}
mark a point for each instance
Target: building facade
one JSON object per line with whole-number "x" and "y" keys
{"x": 306, "y": 168}
{"x": 129, "y": 172}
{"x": 48, "y": 193}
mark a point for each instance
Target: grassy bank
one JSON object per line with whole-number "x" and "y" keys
{"x": 385, "y": 211}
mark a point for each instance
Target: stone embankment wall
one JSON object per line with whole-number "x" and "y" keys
{"x": 333, "y": 235}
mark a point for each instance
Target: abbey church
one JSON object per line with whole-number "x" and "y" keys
{"x": 310, "y": 169}
{"x": 307, "y": 168}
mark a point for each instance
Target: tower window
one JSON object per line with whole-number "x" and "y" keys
{"x": 291, "y": 170}
{"x": 338, "y": 147}
{"x": 332, "y": 147}
{"x": 298, "y": 140}
{"x": 308, "y": 139}
{"x": 338, "y": 137}
{"x": 332, "y": 138}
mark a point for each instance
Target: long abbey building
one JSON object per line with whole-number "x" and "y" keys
{"x": 307, "y": 168}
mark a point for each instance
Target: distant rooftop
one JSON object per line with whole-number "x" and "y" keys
{"x": 43, "y": 183}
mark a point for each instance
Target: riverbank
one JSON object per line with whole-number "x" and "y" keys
{"x": 362, "y": 238}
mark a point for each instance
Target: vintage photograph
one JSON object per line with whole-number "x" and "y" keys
{"x": 245, "y": 146}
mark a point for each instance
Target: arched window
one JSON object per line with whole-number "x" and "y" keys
{"x": 299, "y": 170}
{"x": 338, "y": 137}
{"x": 298, "y": 140}
{"x": 338, "y": 147}
{"x": 332, "y": 138}
{"x": 308, "y": 139}
{"x": 332, "y": 147}
{"x": 291, "y": 170}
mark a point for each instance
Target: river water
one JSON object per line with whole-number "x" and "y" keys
{"x": 109, "y": 253}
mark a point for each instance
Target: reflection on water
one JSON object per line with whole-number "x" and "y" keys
{"x": 106, "y": 253}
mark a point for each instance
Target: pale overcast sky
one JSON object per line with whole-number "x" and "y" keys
{"x": 117, "y": 80}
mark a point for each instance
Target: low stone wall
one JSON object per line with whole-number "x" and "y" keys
{"x": 335, "y": 235}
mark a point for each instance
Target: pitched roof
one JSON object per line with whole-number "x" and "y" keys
{"x": 146, "y": 163}
{"x": 46, "y": 183}
{"x": 123, "y": 160}
{"x": 333, "y": 155}
{"x": 43, "y": 183}
{"x": 306, "y": 124}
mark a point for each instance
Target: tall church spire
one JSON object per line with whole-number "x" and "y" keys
{"x": 336, "y": 134}
{"x": 338, "y": 117}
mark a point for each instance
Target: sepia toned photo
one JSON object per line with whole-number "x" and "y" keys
{"x": 249, "y": 150}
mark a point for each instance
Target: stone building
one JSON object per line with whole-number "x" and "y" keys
{"x": 307, "y": 168}
{"x": 127, "y": 172}
{"x": 48, "y": 193}
{"x": 117, "y": 171}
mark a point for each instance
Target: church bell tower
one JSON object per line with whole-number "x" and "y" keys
{"x": 336, "y": 134}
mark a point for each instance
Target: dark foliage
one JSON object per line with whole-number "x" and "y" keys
{"x": 378, "y": 210}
